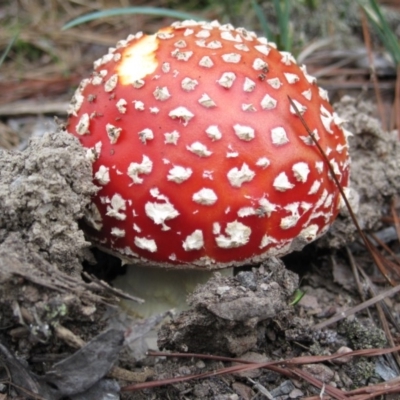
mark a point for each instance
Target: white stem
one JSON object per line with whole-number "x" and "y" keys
{"x": 161, "y": 289}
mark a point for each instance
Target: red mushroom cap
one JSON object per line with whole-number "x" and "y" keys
{"x": 201, "y": 159}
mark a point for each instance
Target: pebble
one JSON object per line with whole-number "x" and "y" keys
{"x": 319, "y": 371}
{"x": 296, "y": 394}
{"x": 345, "y": 359}
{"x": 284, "y": 388}
{"x": 247, "y": 279}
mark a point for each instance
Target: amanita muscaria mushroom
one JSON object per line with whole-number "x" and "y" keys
{"x": 202, "y": 161}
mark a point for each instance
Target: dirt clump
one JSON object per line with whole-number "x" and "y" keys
{"x": 228, "y": 316}
{"x": 375, "y": 166}
{"x": 43, "y": 193}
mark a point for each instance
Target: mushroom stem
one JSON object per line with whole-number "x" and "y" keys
{"x": 162, "y": 289}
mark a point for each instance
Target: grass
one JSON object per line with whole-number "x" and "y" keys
{"x": 154, "y": 11}
{"x": 283, "y": 38}
{"x": 382, "y": 27}
{"x": 379, "y": 22}
{"x": 8, "y": 48}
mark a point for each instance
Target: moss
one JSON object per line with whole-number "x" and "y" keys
{"x": 360, "y": 371}
{"x": 362, "y": 335}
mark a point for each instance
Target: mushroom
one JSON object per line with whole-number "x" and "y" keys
{"x": 202, "y": 161}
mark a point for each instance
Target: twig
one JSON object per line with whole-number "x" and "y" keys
{"x": 373, "y": 292}
{"x": 285, "y": 367}
{"x": 117, "y": 292}
{"x": 396, "y": 219}
{"x": 359, "y": 307}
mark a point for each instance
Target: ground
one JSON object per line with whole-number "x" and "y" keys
{"x": 64, "y": 336}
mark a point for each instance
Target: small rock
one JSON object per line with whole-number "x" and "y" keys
{"x": 222, "y": 289}
{"x": 247, "y": 279}
{"x": 345, "y": 359}
{"x": 245, "y": 392}
{"x": 184, "y": 370}
{"x": 309, "y": 302}
{"x": 319, "y": 371}
{"x": 200, "y": 364}
{"x": 284, "y": 388}
{"x": 384, "y": 370}
{"x": 227, "y": 397}
{"x": 296, "y": 394}
{"x": 105, "y": 389}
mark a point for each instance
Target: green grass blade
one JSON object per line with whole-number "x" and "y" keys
{"x": 8, "y": 48}
{"x": 380, "y": 24}
{"x": 387, "y": 35}
{"x": 262, "y": 20}
{"x": 278, "y": 12}
{"x": 285, "y": 26}
{"x": 155, "y": 11}
{"x": 282, "y": 11}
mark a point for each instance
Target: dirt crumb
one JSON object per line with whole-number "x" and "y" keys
{"x": 43, "y": 192}
{"x": 227, "y": 317}
{"x": 375, "y": 166}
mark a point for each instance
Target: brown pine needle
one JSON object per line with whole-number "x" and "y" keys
{"x": 376, "y": 256}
